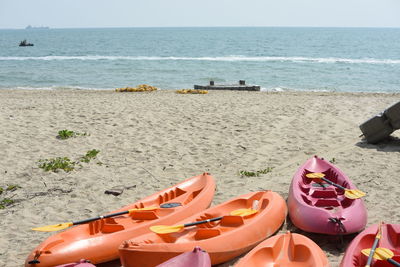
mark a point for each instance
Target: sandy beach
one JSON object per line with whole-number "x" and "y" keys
{"x": 149, "y": 141}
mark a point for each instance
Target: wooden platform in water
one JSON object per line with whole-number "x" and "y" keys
{"x": 228, "y": 87}
{"x": 241, "y": 86}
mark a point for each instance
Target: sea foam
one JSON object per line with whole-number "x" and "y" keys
{"x": 222, "y": 58}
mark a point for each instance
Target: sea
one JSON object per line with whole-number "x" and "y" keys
{"x": 276, "y": 58}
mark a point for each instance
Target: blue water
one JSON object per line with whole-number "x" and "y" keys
{"x": 333, "y": 59}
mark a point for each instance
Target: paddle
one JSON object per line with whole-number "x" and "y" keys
{"x": 349, "y": 193}
{"x": 61, "y": 226}
{"x": 382, "y": 254}
{"x": 377, "y": 237}
{"x": 166, "y": 229}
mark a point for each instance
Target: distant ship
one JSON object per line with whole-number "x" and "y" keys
{"x": 29, "y": 27}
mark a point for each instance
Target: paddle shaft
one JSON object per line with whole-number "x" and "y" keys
{"x": 371, "y": 254}
{"x": 395, "y": 263}
{"x": 201, "y": 222}
{"x": 332, "y": 183}
{"x": 100, "y": 217}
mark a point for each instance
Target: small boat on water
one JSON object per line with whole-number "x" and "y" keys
{"x": 320, "y": 207}
{"x": 389, "y": 239}
{"x": 25, "y": 43}
{"x": 225, "y": 231}
{"x": 98, "y": 240}
{"x": 286, "y": 250}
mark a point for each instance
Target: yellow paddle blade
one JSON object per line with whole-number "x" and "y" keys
{"x": 244, "y": 212}
{"x": 354, "y": 193}
{"x": 381, "y": 254}
{"x": 166, "y": 229}
{"x": 315, "y": 175}
{"x": 54, "y": 227}
{"x": 147, "y": 208}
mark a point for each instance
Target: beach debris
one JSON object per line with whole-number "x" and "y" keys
{"x": 115, "y": 191}
{"x": 139, "y": 88}
{"x": 379, "y": 127}
{"x": 118, "y": 190}
{"x": 56, "y": 191}
{"x": 192, "y": 91}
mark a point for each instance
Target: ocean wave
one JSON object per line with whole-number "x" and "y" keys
{"x": 223, "y": 58}
{"x": 53, "y": 87}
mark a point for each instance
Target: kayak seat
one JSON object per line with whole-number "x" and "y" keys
{"x": 306, "y": 200}
{"x": 142, "y": 215}
{"x": 324, "y": 193}
{"x": 327, "y": 203}
{"x": 393, "y": 236}
{"x": 305, "y": 189}
{"x": 347, "y": 202}
{"x": 204, "y": 233}
{"x": 232, "y": 221}
{"x": 188, "y": 197}
{"x": 106, "y": 225}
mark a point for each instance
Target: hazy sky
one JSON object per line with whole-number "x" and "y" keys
{"x": 164, "y": 13}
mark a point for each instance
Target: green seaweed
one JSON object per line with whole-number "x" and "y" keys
{"x": 6, "y": 202}
{"x": 56, "y": 164}
{"x": 12, "y": 187}
{"x": 65, "y": 134}
{"x": 256, "y": 173}
{"x": 91, "y": 154}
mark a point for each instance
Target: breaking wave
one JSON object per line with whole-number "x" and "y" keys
{"x": 223, "y": 58}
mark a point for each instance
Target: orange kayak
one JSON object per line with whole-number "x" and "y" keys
{"x": 98, "y": 240}
{"x": 286, "y": 250}
{"x": 224, "y": 236}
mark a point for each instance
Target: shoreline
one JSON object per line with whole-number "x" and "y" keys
{"x": 263, "y": 90}
{"x": 156, "y": 139}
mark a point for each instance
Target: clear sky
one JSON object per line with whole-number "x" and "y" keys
{"x": 182, "y": 13}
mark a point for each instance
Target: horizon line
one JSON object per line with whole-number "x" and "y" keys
{"x": 166, "y": 27}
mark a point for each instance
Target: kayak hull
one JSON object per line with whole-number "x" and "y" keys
{"x": 195, "y": 258}
{"x": 223, "y": 240}
{"x": 288, "y": 250}
{"x": 321, "y": 207}
{"x": 98, "y": 241}
{"x": 81, "y": 263}
{"x": 390, "y": 239}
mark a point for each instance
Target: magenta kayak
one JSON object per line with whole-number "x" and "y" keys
{"x": 389, "y": 239}
{"x": 320, "y": 207}
{"x": 81, "y": 263}
{"x": 195, "y": 258}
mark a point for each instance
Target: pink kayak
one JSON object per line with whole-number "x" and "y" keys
{"x": 320, "y": 207}
{"x": 195, "y": 258}
{"x": 389, "y": 239}
{"x": 81, "y": 263}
